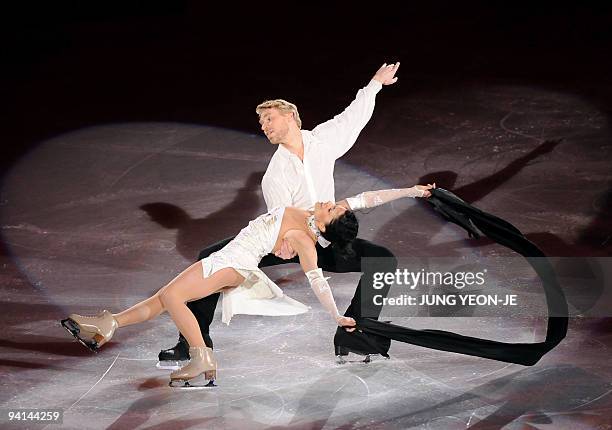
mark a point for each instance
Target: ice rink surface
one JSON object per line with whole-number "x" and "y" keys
{"x": 101, "y": 217}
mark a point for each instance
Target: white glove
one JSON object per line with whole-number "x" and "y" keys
{"x": 371, "y": 199}
{"x": 319, "y": 285}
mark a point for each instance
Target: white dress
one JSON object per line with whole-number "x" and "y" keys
{"x": 257, "y": 295}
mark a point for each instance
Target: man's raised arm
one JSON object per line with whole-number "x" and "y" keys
{"x": 341, "y": 132}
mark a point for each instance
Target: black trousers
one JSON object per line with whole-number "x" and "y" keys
{"x": 328, "y": 260}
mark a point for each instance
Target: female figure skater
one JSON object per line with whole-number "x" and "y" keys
{"x": 246, "y": 289}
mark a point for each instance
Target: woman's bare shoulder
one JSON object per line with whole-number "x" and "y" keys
{"x": 297, "y": 235}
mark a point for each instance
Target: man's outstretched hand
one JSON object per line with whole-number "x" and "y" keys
{"x": 386, "y": 74}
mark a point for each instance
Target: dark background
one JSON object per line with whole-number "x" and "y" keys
{"x": 74, "y": 64}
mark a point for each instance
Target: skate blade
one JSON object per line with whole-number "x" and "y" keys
{"x": 73, "y": 328}
{"x": 199, "y": 383}
{"x": 358, "y": 358}
{"x": 170, "y": 365}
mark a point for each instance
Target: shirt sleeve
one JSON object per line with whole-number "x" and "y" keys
{"x": 275, "y": 193}
{"x": 341, "y": 132}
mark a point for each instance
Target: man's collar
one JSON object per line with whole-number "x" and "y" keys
{"x": 283, "y": 151}
{"x": 306, "y": 138}
{"x": 305, "y": 141}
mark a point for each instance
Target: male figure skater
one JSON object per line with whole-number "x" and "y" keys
{"x": 299, "y": 174}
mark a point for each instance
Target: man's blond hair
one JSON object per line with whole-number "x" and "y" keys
{"x": 282, "y": 105}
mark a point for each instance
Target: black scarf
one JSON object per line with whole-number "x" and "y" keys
{"x": 477, "y": 222}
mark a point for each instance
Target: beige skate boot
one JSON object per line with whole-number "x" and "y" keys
{"x": 202, "y": 361}
{"x": 92, "y": 332}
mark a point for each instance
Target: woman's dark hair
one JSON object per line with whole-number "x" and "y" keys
{"x": 341, "y": 232}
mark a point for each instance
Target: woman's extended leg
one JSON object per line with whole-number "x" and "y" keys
{"x": 145, "y": 310}
{"x": 188, "y": 285}
{"x": 95, "y": 331}
{"x": 140, "y": 312}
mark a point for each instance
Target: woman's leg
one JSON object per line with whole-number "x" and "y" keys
{"x": 188, "y": 285}
{"x": 191, "y": 285}
{"x": 140, "y": 312}
{"x": 145, "y": 310}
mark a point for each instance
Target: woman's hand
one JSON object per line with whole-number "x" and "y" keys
{"x": 285, "y": 251}
{"x": 425, "y": 189}
{"x": 346, "y": 322}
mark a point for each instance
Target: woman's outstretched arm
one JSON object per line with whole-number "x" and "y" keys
{"x": 371, "y": 199}
{"x": 305, "y": 247}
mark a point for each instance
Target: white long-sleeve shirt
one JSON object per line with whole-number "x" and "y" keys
{"x": 290, "y": 182}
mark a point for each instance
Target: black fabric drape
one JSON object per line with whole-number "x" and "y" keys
{"x": 477, "y": 222}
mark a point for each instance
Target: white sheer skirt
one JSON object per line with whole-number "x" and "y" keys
{"x": 258, "y": 294}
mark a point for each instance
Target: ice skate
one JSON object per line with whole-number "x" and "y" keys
{"x": 346, "y": 355}
{"x": 91, "y": 332}
{"x": 359, "y": 347}
{"x": 176, "y": 357}
{"x": 201, "y": 371}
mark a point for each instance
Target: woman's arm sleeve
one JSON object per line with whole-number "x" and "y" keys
{"x": 321, "y": 288}
{"x": 371, "y": 199}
